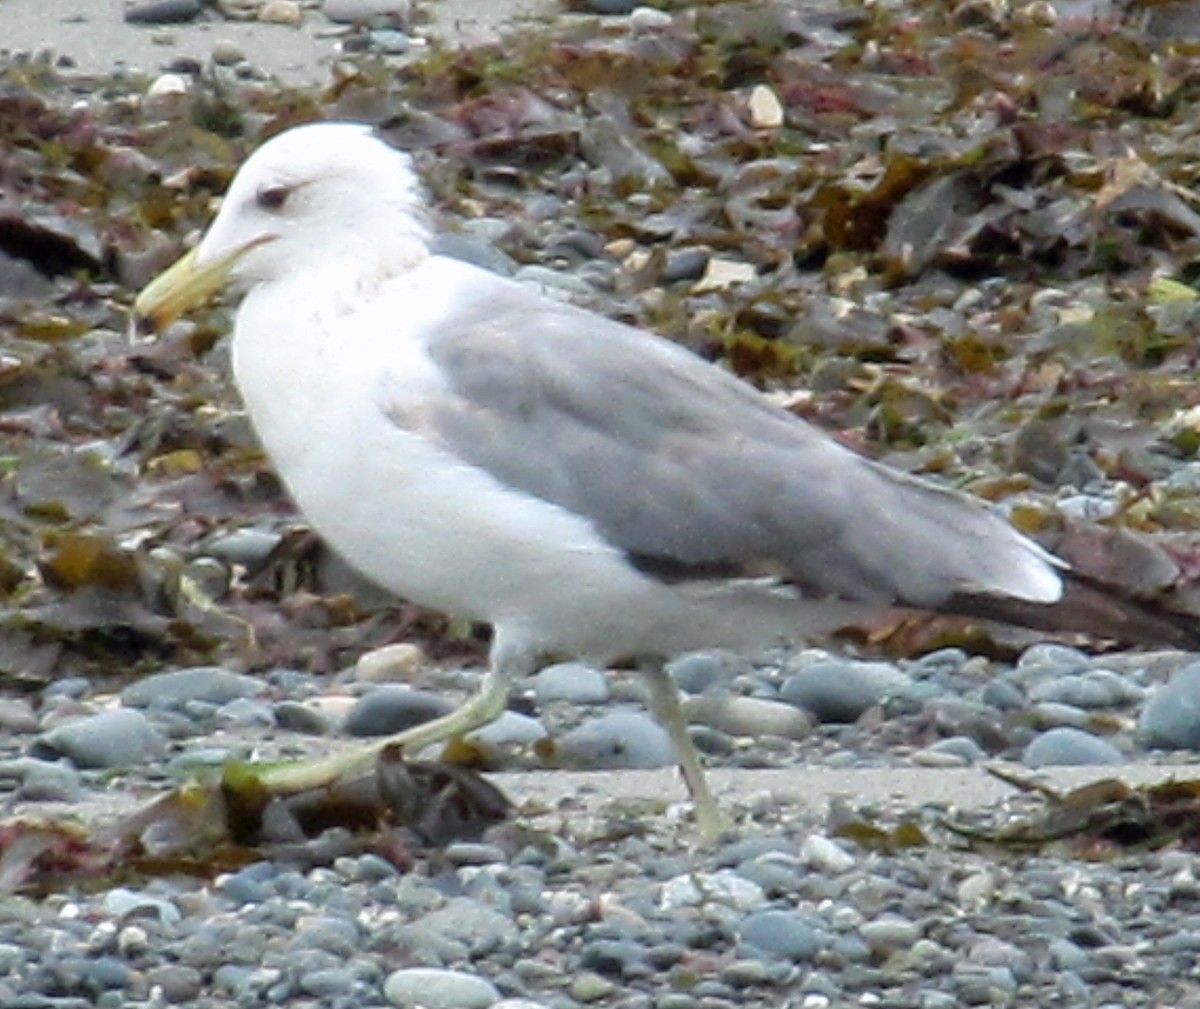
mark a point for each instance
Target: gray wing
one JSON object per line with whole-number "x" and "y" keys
{"x": 691, "y": 472}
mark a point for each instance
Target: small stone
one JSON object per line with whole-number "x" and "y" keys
{"x": 571, "y": 681}
{"x": 722, "y": 274}
{"x": 434, "y": 988}
{"x": 399, "y": 663}
{"x": 178, "y": 983}
{"x": 766, "y": 110}
{"x": 588, "y": 986}
{"x": 296, "y": 716}
{"x": 122, "y": 902}
{"x": 247, "y": 546}
{"x": 649, "y": 19}
{"x": 357, "y": 12}
{"x": 281, "y": 12}
{"x": 725, "y": 886}
{"x": 1068, "y": 747}
{"x": 470, "y": 922}
{"x": 17, "y": 716}
{"x": 511, "y": 731}
{"x": 785, "y": 934}
{"x": 611, "y": 6}
{"x": 621, "y": 740}
{"x": 390, "y": 41}
{"x": 390, "y": 709}
{"x": 112, "y": 739}
{"x": 164, "y": 12}
{"x": 748, "y": 716}
{"x": 1171, "y": 718}
{"x": 177, "y": 689}
{"x": 841, "y": 691}
{"x": 890, "y": 932}
{"x": 226, "y": 54}
{"x": 825, "y": 854}
{"x": 956, "y": 751}
{"x": 167, "y": 86}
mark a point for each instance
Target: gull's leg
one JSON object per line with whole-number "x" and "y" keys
{"x": 485, "y": 705}
{"x": 664, "y": 703}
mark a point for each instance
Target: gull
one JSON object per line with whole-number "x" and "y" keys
{"x": 585, "y": 487}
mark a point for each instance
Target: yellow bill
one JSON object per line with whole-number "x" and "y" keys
{"x": 183, "y": 286}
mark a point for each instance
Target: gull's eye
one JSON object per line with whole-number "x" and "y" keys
{"x": 273, "y": 197}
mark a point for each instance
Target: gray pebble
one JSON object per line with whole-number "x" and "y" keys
{"x": 296, "y": 716}
{"x": 248, "y": 547}
{"x": 207, "y": 684}
{"x": 1003, "y": 695}
{"x": 786, "y": 934}
{"x": 470, "y": 922}
{"x": 390, "y": 41}
{"x": 327, "y": 982}
{"x": 17, "y": 716}
{"x": 1070, "y": 747}
{"x": 177, "y": 983}
{"x": 890, "y": 932}
{"x": 574, "y": 682}
{"x": 697, "y": 672}
{"x": 392, "y": 708}
{"x": 962, "y": 747}
{"x": 1049, "y": 714}
{"x": 164, "y": 12}
{"x": 1171, "y": 718}
{"x": 1094, "y": 689}
{"x": 612, "y": 6}
{"x": 841, "y": 691}
{"x": 622, "y": 740}
{"x": 433, "y": 988}
{"x": 367, "y": 11}
{"x": 119, "y": 738}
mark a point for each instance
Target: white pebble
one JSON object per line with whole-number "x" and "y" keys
{"x": 821, "y": 853}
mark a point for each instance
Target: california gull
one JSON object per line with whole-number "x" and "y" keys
{"x": 587, "y": 488}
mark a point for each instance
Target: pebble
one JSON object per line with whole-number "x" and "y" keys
{"x": 388, "y": 709}
{"x": 649, "y": 19}
{"x": 826, "y": 855}
{"x": 766, "y": 110}
{"x": 398, "y": 663}
{"x": 111, "y": 739}
{"x": 837, "y": 690}
{"x": 164, "y": 12}
{"x": 207, "y": 684}
{"x": 1171, "y": 718}
{"x": 698, "y": 672}
{"x": 281, "y": 12}
{"x": 621, "y": 740}
{"x": 433, "y": 988}
{"x": 572, "y": 682}
{"x": 353, "y": 12}
{"x": 786, "y": 934}
{"x": 747, "y": 716}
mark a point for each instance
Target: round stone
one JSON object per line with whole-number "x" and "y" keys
{"x": 434, "y": 988}
{"x": 1171, "y": 718}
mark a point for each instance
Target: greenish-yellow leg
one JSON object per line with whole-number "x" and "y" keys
{"x": 664, "y": 703}
{"x": 482, "y": 707}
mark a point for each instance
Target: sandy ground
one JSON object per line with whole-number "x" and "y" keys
{"x": 94, "y": 34}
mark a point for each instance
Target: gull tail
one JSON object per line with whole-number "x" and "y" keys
{"x": 1093, "y": 608}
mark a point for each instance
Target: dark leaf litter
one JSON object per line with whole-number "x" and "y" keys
{"x": 962, "y": 236}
